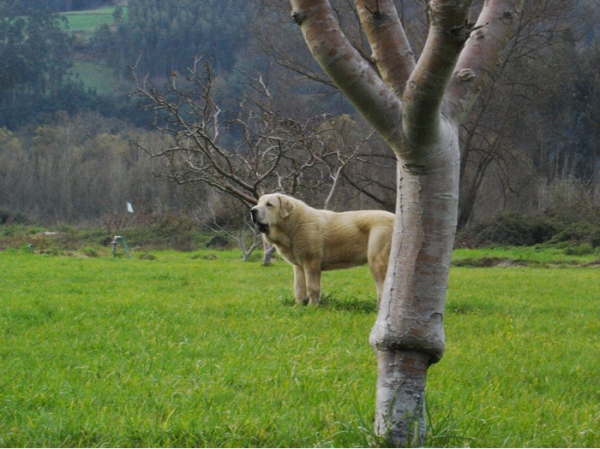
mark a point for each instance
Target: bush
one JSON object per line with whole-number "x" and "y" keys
{"x": 90, "y": 252}
{"x": 579, "y": 250}
{"x": 513, "y": 229}
{"x": 581, "y": 233}
{"x": 8, "y": 217}
{"x": 571, "y": 202}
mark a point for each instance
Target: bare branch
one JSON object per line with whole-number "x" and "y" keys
{"x": 243, "y": 154}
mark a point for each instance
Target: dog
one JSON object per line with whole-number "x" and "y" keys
{"x": 314, "y": 240}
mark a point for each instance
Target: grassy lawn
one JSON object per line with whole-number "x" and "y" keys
{"x": 201, "y": 349}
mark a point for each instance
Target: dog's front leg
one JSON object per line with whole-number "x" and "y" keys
{"x": 313, "y": 283}
{"x": 300, "y": 286}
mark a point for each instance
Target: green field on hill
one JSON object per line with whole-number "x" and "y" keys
{"x": 202, "y": 349}
{"x": 94, "y": 74}
{"x": 88, "y": 21}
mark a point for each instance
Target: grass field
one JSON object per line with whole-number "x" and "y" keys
{"x": 96, "y": 75}
{"x": 88, "y": 21}
{"x": 201, "y": 349}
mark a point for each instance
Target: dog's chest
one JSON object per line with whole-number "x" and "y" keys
{"x": 288, "y": 254}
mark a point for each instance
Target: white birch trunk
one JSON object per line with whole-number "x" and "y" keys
{"x": 417, "y": 109}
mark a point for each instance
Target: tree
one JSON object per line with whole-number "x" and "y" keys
{"x": 417, "y": 107}
{"x": 526, "y": 120}
{"x": 36, "y": 56}
{"x": 251, "y": 151}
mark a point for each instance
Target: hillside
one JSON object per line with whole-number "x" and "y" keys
{"x": 89, "y": 68}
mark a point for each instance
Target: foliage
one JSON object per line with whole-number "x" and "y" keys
{"x": 78, "y": 169}
{"x": 36, "y": 57}
{"x": 570, "y": 202}
{"x": 165, "y": 36}
{"x": 578, "y": 233}
{"x": 7, "y": 217}
{"x": 145, "y": 231}
{"x": 516, "y": 229}
{"x": 537, "y": 132}
{"x": 201, "y": 350}
{"x": 35, "y": 52}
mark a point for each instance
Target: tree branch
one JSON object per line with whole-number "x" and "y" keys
{"x": 354, "y": 75}
{"x": 391, "y": 50}
{"x": 448, "y": 31}
{"x": 480, "y": 55}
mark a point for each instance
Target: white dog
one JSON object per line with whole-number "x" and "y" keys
{"x": 315, "y": 240}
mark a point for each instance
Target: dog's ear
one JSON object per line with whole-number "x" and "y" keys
{"x": 286, "y": 206}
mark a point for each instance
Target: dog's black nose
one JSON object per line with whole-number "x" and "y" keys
{"x": 253, "y": 213}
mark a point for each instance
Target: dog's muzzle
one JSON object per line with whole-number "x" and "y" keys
{"x": 262, "y": 227}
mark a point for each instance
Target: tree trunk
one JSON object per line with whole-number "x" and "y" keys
{"x": 417, "y": 109}
{"x": 268, "y": 252}
{"x": 408, "y": 334}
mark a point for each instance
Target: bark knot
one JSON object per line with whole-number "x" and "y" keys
{"x": 377, "y": 14}
{"x": 417, "y": 169}
{"x": 298, "y": 16}
{"x": 465, "y": 75}
{"x": 507, "y": 15}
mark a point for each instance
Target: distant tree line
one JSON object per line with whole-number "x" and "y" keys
{"x": 36, "y": 82}
{"x": 536, "y": 127}
{"x": 36, "y": 57}
{"x": 162, "y": 36}
{"x": 57, "y": 5}
{"x": 81, "y": 169}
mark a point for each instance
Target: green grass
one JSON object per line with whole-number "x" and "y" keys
{"x": 96, "y": 75}
{"x": 88, "y": 21}
{"x": 190, "y": 349}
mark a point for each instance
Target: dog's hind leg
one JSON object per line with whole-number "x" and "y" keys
{"x": 378, "y": 270}
{"x": 378, "y": 256}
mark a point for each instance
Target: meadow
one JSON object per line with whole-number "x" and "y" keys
{"x": 89, "y": 20}
{"x": 94, "y": 74}
{"x": 202, "y": 349}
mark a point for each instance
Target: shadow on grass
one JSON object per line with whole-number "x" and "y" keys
{"x": 333, "y": 301}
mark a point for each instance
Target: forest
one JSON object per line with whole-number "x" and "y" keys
{"x": 203, "y": 106}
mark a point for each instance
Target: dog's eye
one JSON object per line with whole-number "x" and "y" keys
{"x": 269, "y": 205}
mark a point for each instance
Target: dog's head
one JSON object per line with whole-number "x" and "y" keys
{"x": 271, "y": 210}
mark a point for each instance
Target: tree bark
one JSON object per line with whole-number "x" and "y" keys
{"x": 268, "y": 253}
{"x": 417, "y": 108}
